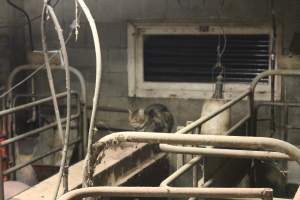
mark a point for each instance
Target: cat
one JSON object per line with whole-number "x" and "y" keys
{"x": 154, "y": 118}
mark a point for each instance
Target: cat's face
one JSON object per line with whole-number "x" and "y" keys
{"x": 137, "y": 119}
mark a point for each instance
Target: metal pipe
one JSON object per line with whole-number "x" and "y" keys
{"x": 278, "y": 104}
{"x": 227, "y": 153}
{"x": 29, "y": 105}
{"x": 62, "y": 173}
{"x": 93, "y": 27}
{"x": 20, "y": 166}
{"x": 237, "y": 125}
{"x": 263, "y": 193}
{"x": 74, "y": 71}
{"x": 281, "y": 72}
{"x": 208, "y": 151}
{"x": 180, "y": 171}
{"x": 110, "y": 109}
{"x": 190, "y": 139}
{"x": 204, "y": 119}
{"x": 207, "y": 140}
{"x": 34, "y": 132}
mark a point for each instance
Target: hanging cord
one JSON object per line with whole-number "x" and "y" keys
{"x": 273, "y": 63}
{"x": 88, "y": 169}
{"x": 77, "y": 26}
{"x": 28, "y": 22}
{"x": 32, "y": 19}
{"x": 63, "y": 166}
{"x": 220, "y": 52}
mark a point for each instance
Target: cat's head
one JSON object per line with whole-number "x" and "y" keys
{"x": 137, "y": 118}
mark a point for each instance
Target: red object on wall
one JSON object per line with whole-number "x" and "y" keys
{"x": 3, "y": 154}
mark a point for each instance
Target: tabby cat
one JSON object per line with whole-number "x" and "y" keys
{"x": 154, "y": 118}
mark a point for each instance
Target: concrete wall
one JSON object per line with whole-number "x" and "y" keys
{"x": 11, "y": 39}
{"x": 111, "y": 17}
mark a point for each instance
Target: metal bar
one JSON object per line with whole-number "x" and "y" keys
{"x": 278, "y": 104}
{"x": 34, "y": 132}
{"x": 17, "y": 167}
{"x": 28, "y": 105}
{"x": 226, "y": 152}
{"x": 180, "y": 171}
{"x": 237, "y": 125}
{"x": 109, "y": 109}
{"x": 207, "y": 140}
{"x": 171, "y": 148}
{"x": 74, "y": 71}
{"x": 204, "y": 119}
{"x": 263, "y": 193}
{"x": 281, "y": 72}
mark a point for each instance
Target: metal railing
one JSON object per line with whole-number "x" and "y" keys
{"x": 248, "y": 119}
{"x": 73, "y": 71}
{"x": 41, "y": 130}
{"x": 272, "y": 149}
{"x": 9, "y": 123}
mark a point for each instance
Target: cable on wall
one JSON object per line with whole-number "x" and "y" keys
{"x": 28, "y": 22}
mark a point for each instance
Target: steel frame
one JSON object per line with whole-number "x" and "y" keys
{"x": 12, "y": 140}
{"x": 280, "y": 150}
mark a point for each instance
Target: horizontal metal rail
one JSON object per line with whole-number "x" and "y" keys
{"x": 207, "y": 140}
{"x": 172, "y": 192}
{"x": 242, "y": 142}
{"x": 32, "y": 104}
{"x": 213, "y": 152}
{"x": 20, "y": 166}
{"x": 83, "y": 96}
{"x": 35, "y": 131}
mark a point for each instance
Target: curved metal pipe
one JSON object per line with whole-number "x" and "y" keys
{"x": 213, "y": 152}
{"x": 283, "y": 72}
{"x": 263, "y": 193}
{"x": 206, "y": 140}
{"x": 62, "y": 170}
{"x": 91, "y": 21}
{"x": 74, "y": 71}
{"x": 241, "y": 142}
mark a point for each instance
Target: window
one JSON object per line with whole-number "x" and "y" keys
{"x": 178, "y": 61}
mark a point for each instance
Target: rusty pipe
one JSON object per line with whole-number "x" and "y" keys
{"x": 105, "y": 191}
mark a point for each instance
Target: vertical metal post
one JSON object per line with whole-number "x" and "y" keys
{"x": 180, "y": 158}
{"x": 1, "y": 180}
{"x": 195, "y": 168}
{"x": 65, "y": 179}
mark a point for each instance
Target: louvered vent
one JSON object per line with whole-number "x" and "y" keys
{"x": 191, "y": 58}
